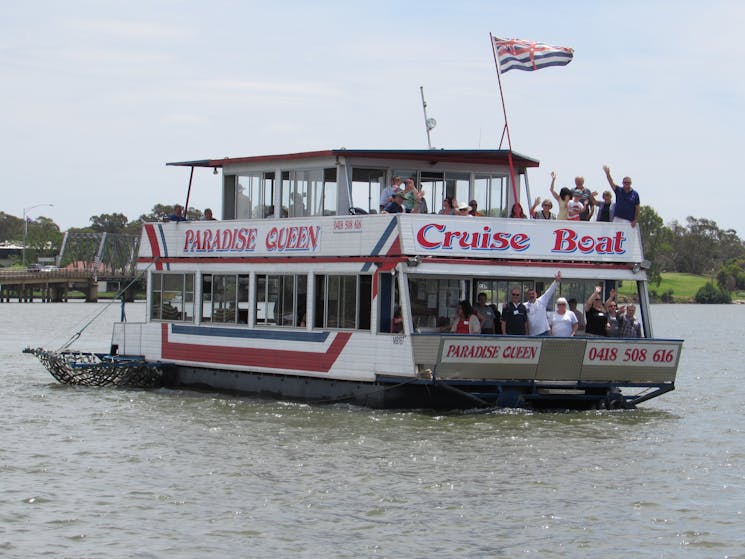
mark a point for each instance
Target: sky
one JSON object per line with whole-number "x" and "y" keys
{"x": 98, "y": 95}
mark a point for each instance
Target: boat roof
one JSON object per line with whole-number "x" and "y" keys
{"x": 472, "y": 156}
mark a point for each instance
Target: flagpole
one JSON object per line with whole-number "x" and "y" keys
{"x": 506, "y": 129}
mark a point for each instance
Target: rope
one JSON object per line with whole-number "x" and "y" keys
{"x": 77, "y": 334}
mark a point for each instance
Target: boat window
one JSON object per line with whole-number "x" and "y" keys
{"x": 253, "y": 198}
{"x": 310, "y": 192}
{"x": 490, "y": 191}
{"x": 433, "y": 302}
{"x": 224, "y": 299}
{"x": 367, "y": 187}
{"x": 343, "y": 302}
{"x": 172, "y": 297}
{"x": 281, "y": 300}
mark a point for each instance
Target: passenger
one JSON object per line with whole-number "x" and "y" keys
{"x": 545, "y": 212}
{"x": 587, "y": 198}
{"x": 575, "y": 206}
{"x": 563, "y": 322}
{"x": 514, "y": 315}
{"x": 627, "y": 200}
{"x": 448, "y": 207}
{"x": 396, "y": 206}
{"x": 630, "y": 327}
{"x": 486, "y": 315}
{"x": 420, "y": 202}
{"x": 517, "y": 212}
{"x": 562, "y": 199}
{"x": 443, "y": 324}
{"x": 537, "y": 308}
{"x": 208, "y": 215}
{"x": 178, "y": 214}
{"x": 463, "y": 209}
{"x": 397, "y": 324}
{"x": 466, "y": 321}
{"x": 597, "y": 318}
{"x": 613, "y": 323}
{"x": 606, "y": 208}
{"x": 410, "y": 195}
{"x": 578, "y": 313}
{"x": 475, "y": 209}
{"x": 297, "y": 207}
{"x": 386, "y": 197}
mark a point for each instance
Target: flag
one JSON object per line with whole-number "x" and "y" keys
{"x": 516, "y": 54}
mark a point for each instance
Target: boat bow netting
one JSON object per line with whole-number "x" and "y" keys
{"x": 95, "y": 369}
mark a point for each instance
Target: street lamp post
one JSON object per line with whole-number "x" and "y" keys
{"x": 25, "y": 227}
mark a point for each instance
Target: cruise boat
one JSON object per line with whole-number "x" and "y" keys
{"x": 304, "y": 290}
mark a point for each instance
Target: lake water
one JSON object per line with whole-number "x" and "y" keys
{"x": 100, "y": 472}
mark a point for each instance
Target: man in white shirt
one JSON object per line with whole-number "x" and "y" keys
{"x": 537, "y": 308}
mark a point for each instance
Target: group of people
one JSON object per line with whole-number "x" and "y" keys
{"x": 180, "y": 215}
{"x": 531, "y": 317}
{"x": 403, "y": 199}
{"x": 581, "y": 204}
{"x": 577, "y": 204}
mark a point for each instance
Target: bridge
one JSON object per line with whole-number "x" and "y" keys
{"x": 85, "y": 260}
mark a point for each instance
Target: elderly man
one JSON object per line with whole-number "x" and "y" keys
{"x": 537, "y": 308}
{"x": 629, "y": 326}
{"x": 627, "y": 199}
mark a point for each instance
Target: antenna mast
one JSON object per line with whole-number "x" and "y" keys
{"x": 429, "y": 123}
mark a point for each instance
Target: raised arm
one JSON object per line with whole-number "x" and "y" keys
{"x": 607, "y": 176}
{"x": 534, "y": 206}
{"x": 596, "y": 293}
{"x": 551, "y": 188}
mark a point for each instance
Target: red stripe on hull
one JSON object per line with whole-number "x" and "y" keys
{"x": 251, "y": 357}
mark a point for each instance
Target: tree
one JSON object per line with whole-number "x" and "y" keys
{"x": 109, "y": 223}
{"x": 655, "y": 240}
{"x": 11, "y": 227}
{"x": 709, "y": 294}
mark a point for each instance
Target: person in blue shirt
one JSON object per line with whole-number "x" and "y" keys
{"x": 178, "y": 214}
{"x": 627, "y": 199}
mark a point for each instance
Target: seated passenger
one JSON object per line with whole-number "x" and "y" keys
{"x": 208, "y": 215}
{"x": 395, "y": 206}
{"x": 448, "y": 207}
{"x": 517, "y": 211}
{"x": 563, "y": 322}
{"x": 178, "y": 214}
{"x": 466, "y": 321}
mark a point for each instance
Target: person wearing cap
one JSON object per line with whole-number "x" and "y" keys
{"x": 575, "y": 206}
{"x": 563, "y": 322}
{"x": 463, "y": 208}
{"x": 395, "y": 206}
{"x": 474, "y": 209}
{"x": 386, "y": 197}
{"x": 588, "y": 198}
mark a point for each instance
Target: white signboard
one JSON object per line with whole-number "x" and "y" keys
{"x": 490, "y": 351}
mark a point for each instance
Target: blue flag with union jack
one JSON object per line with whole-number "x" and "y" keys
{"x": 516, "y": 54}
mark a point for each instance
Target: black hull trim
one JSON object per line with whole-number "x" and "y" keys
{"x": 394, "y": 392}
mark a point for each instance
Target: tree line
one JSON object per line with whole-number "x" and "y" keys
{"x": 697, "y": 247}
